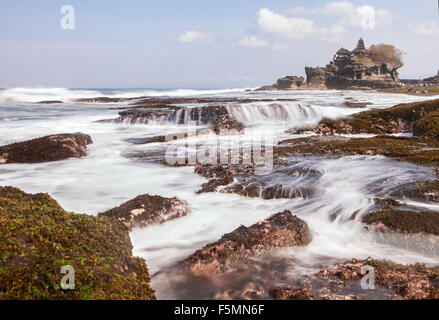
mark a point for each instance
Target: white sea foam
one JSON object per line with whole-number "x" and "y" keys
{"x": 37, "y": 94}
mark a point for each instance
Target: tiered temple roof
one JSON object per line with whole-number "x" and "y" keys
{"x": 361, "y": 48}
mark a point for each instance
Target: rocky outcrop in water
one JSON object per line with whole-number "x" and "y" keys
{"x": 401, "y": 220}
{"x": 38, "y": 238}
{"x": 50, "y": 102}
{"x": 360, "y": 68}
{"x": 146, "y": 210}
{"x": 50, "y": 148}
{"x": 280, "y": 230}
{"x": 286, "y": 83}
{"x": 397, "y": 119}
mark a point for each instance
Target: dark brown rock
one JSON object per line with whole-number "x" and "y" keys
{"x": 50, "y": 148}
{"x": 292, "y": 294}
{"x": 213, "y": 184}
{"x": 51, "y": 102}
{"x": 280, "y": 230}
{"x": 146, "y": 210}
{"x": 226, "y": 126}
{"x": 406, "y": 282}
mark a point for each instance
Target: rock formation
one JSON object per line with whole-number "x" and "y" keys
{"x": 356, "y": 69}
{"x": 280, "y": 230}
{"x": 50, "y": 148}
{"x": 146, "y": 210}
{"x": 38, "y": 238}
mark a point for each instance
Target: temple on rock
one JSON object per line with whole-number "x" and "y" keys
{"x": 357, "y": 69}
{"x": 354, "y": 69}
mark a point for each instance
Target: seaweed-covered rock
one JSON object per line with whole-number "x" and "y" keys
{"x": 38, "y": 238}
{"x": 146, "y": 210}
{"x": 428, "y": 126}
{"x": 400, "y": 118}
{"x": 404, "y": 221}
{"x": 50, "y": 148}
{"x": 407, "y": 149}
{"x": 280, "y": 230}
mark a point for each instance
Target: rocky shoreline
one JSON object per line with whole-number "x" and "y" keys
{"x": 35, "y": 226}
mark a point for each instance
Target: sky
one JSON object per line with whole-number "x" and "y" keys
{"x": 201, "y": 43}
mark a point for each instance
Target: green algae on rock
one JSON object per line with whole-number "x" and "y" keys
{"x": 398, "y": 119}
{"x": 38, "y": 237}
{"x": 405, "y": 221}
{"x": 428, "y": 126}
{"x": 414, "y": 150}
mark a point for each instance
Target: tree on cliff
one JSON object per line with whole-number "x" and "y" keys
{"x": 386, "y": 53}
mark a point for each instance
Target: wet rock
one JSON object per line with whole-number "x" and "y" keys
{"x": 146, "y": 210}
{"x": 51, "y": 102}
{"x": 101, "y": 100}
{"x": 293, "y": 294}
{"x": 40, "y": 238}
{"x": 50, "y": 148}
{"x": 398, "y": 119}
{"x": 219, "y": 171}
{"x": 141, "y": 116}
{"x": 213, "y": 184}
{"x": 251, "y": 191}
{"x": 228, "y": 126}
{"x": 406, "y": 282}
{"x": 351, "y": 104}
{"x": 412, "y": 150}
{"x": 404, "y": 221}
{"x": 280, "y": 230}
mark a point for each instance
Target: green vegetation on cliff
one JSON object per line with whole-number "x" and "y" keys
{"x": 38, "y": 237}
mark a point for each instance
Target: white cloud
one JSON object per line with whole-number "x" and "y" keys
{"x": 252, "y": 42}
{"x": 349, "y": 14}
{"x": 279, "y": 46}
{"x": 273, "y": 22}
{"x": 430, "y": 28}
{"x": 195, "y": 36}
{"x": 296, "y": 28}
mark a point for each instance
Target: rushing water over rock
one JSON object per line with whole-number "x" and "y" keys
{"x": 329, "y": 194}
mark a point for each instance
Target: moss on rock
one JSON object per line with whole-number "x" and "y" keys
{"x": 400, "y": 118}
{"x": 428, "y": 126}
{"x": 38, "y": 237}
{"x": 412, "y": 150}
{"x": 412, "y": 222}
